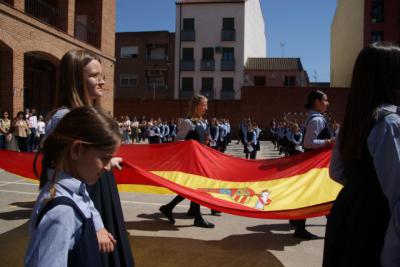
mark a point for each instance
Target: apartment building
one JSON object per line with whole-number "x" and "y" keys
{"x": 275, "y": 72}
{"x": 356, "y": 24}
{"x": 35, "y": 34}
{"x": 144, "y": 65}
{"x": 213, "y": 41}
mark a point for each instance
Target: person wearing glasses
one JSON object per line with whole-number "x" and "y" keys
{"x": 81, "y": 82}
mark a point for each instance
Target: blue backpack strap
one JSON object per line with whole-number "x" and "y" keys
{"x": 62, "y": 200}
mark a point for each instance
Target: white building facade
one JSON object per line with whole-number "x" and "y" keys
{"x": 213, "y": 41}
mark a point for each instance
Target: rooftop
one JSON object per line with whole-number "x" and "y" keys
{"x": 279, "y": 63}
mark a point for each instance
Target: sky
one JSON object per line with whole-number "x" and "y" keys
{"x": 302, "y": 26}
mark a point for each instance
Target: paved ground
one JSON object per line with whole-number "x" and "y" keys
{"x": 236, "y": 241}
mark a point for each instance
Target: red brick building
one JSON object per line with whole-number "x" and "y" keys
{"x": 35, "y": 34}
{"x": 144, "y": 65}
{"x": 275, "y": 72}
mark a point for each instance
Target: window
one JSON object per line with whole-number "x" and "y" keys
{"x": 228, "y": 24}
{"x": 157, "y": 53}
{"x": 376, "y": 37}
{"x": 188, "y": 24}
{"x": 187, "y": 54}
{"x": 128, "y": 80}
{"x": 207, "y": 84}
{"x": 377, "y": 12}
{"x": 187, "y": 84}
{"x": 208, "y": 53}
{"x": 155, "y": 82}
{"x": 129, "y": 51}
{"x": 227, "y": 84}
{"x": 290, "y": 81}
{"x": 259, "y": 80}
{"x": 228, "y": 54}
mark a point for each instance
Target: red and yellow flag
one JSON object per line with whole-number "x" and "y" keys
{"x": 286, "y": 188}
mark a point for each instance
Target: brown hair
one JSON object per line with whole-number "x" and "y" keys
{"x": 375, "y": 81}
{"x": 196, "y": 100}
{"x": 89, "y": 125}
{"x": 72, "y": 91}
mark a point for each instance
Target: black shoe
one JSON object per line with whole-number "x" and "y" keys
{"x": 168, "y": 213}
{"x": 304, "y": 234}
{"x": 293, "y": 222}
{"x": 203, "y": 223}
{"x": 215, "y": 213}
{"x": 190, "y": 213}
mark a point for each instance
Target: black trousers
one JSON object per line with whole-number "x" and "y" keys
{"x": 194, "y": 207}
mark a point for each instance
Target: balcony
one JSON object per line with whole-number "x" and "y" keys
{"x": 86, "y": 34}
{"x": 47, "y": 13}
{"x": 186, "y": 94}
{"x": 188, "y": 35}
{"x": 207, "y": 93}
{"x": 228, "y": 35}
{"x": 227, "y": 65}
{"x": 156, "y": 86}
{"x": 156, "y": 58}
{"x": 187, "y": 65}
{"x": 227, "y": 94}
{"x": 207, "y": 65}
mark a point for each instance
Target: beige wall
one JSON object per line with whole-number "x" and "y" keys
{"x": 347, "y": 40}
{"x": 208, "y": 26}
{"x": 255, "y": 44}
{"x": 250, "y": 40}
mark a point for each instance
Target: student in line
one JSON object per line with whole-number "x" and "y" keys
{"x": 363, "y": 227}
{"x": 61, "y": 227}
{"x": 81, "y": 84}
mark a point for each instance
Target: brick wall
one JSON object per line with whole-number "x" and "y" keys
{"x": 260, "y": 104}
{"x": 21, "y": 33}
{"x": 140, "y": 65}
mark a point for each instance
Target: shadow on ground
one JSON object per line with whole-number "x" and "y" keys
{"x": 165, "y": 251}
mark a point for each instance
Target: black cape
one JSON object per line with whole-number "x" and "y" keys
{"x": 105, "y": 197}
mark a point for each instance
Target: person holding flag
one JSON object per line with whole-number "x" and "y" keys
{"x": 192, "y": 128}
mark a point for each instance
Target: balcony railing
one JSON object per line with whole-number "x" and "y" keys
{"x": 186, "y": 94}
{"x": 156, "y": 86}
{"x": 150, "y": 57}
{"x": 227, "y": 94}
{"x": 187, "y": 65}
{"x": 227, "y": 65}
{"x": 207, "y": 93}
{"x": 47, "y": 13}
{"x": 207, "y": 65}
{"x": 86, "y": 34}
{"x": 188, "y": 35}
{"x": 228, "y": 35}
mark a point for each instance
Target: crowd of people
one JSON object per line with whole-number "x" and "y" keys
{"x": 287, "y": 135}
{"x": 23, "y": 133}
{"x": 77, "y": 219}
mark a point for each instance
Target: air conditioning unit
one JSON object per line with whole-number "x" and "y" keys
{"x": 218, "y": 49}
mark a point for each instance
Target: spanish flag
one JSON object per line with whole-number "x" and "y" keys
{"x": 287, "y": 188}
